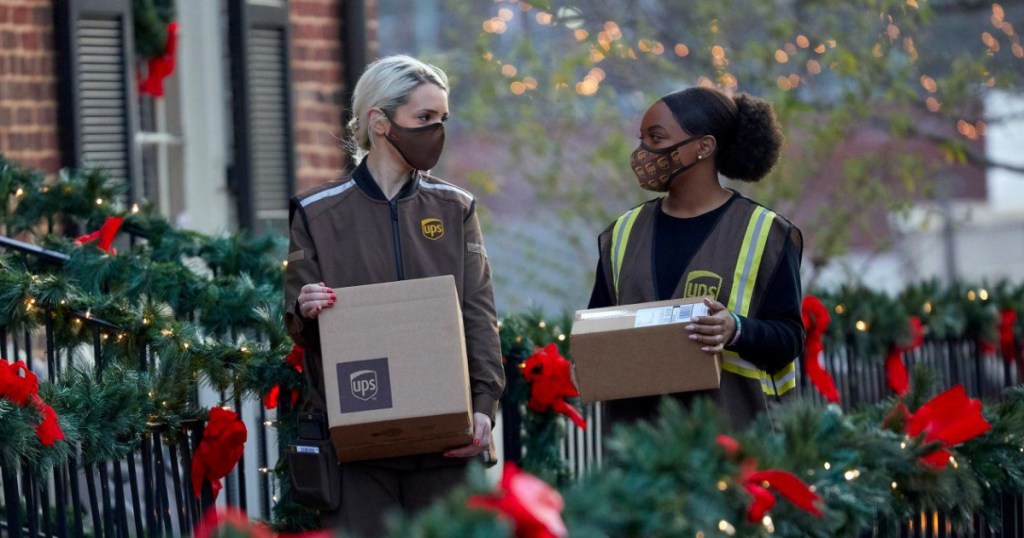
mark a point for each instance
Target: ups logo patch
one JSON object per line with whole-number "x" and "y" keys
{"x": 702, "y": 283}
{"x": 433, "y": 229}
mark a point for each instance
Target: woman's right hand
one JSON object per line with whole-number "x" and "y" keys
{"x": 314, "y": 298}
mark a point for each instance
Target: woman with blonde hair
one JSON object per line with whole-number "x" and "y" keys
{"x": 367, "y": 229}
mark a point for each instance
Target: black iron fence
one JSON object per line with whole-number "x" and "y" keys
{"x": 146, "y": 493}
{"x": 861, "y": 380}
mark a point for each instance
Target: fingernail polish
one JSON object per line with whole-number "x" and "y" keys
{"x": 330, "y": 303}
{"x": 333, "y": 296}
{"x": 693, "y": 337}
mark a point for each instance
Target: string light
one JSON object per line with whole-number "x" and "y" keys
{"x": 542, "y": 324}
{"x": 840, "y": 309}
{"x": 971, "y": 295}
{"x": 851, "y": 475}
{"x": 99, "y": 201}
{"x": 135, "y": 208}
{"x": 983, "y": 294}
{"x": 561, "y": 338}
{"x": 769, "y": 525}
{"x": 827, "y": 465}
{"x": 19, "y": 193}
{"x": 894, "y": 485}
{"x": 862, "y": 325}
{"x": 722, "y": 486}
{"x": 726, "y": 527}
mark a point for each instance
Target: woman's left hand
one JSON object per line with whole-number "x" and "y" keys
{"x": 713, "y": 330}
{"x": 481, "y": 439}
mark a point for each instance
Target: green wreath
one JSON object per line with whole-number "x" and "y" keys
{"x": 151, "y": 20}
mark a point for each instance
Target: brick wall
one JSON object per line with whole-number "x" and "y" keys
{"x": 318, "y": 88}
{"x": 28, "y": 84}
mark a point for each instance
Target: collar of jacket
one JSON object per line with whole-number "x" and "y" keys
{"x": 364, "y": 180}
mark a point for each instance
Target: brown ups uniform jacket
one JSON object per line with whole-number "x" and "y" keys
{"x": 346, "y": 233}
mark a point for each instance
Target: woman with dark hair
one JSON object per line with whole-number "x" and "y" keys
{"x": 704, "y": 239}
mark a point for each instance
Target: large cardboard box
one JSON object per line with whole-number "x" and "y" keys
{"x": 395, "y": 374}
{"x": 640, "y": 350}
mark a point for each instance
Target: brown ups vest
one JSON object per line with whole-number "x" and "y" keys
{"x": 734, "y": 265}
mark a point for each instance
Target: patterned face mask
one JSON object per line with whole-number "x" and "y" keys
{"x": 656, "y": 168}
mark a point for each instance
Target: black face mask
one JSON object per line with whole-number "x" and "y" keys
{"x": 656, "y": 168}
{"x": 420, "y": 146}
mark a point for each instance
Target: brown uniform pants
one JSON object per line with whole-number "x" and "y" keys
{"x": 369, "y": 491}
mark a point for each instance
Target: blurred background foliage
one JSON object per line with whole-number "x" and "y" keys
{"x": 881, "y": 102}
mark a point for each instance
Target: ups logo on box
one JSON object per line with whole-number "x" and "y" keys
{"x": 364, "y": 385}
{"x": 433, "y": 229}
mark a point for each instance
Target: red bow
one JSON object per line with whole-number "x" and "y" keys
{"x": 218, "y": 452}
{"x": 1007, "y": 335}
{"x": 161, "y": 66}
{"x": 105, "y": 235}
{"x": 550, "y": 381}
{"x": 293, "y": 358}
{"x": 24, "y": 390}
{"x": 792, "y": 488}
{"x": 896, "y": 370}
{"x": 48, "y": 430}
{"x": 756, "y": 483}
{"x": 950, "y": 418}
{"x": 816, "y": 320}
{"x": 13, "y": 386}
{"x": 534, "y": 507}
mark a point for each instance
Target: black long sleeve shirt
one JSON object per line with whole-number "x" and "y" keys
{"x": 773, "y": 336}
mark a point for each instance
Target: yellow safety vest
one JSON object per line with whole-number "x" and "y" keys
{"x": 748, "y": 263}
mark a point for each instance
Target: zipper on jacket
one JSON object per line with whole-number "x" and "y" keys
{"x": 393, "y": 204}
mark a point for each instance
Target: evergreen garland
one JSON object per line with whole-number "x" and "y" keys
{"x": 210, "y": 308}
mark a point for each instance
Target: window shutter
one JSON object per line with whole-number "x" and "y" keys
{"x": 97, "y": 92}
{"x": 264, "y": 169}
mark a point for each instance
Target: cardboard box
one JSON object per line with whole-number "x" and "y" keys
{"x": 395, "y": 373}
{"x": 640, "y": 350}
